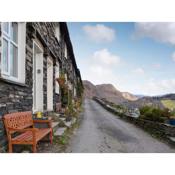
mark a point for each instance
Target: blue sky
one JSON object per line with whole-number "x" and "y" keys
{"x": 134, "y": 57}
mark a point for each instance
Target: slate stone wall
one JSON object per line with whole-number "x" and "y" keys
{"x": 18, "y": 97}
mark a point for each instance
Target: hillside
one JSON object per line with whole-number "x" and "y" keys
{"x": 170, "y": 104}
{"x": 107, "y": 91}
{"x": 164, "y": 101}
{"x": 110, "y": 93}
{"x": 145, "y": 101}
{"x": 89, "y": 89}
{"x": 129, "y": 96}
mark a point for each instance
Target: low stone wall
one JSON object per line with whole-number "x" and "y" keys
{"x": 161, "y": 130}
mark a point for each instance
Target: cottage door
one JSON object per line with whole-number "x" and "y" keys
{"x": 37, "y": 79}
{"x": 50, "y": 84}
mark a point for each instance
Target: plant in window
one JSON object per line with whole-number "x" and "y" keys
{"x": 64, "y": 95}
{"x": 61, "y": 79}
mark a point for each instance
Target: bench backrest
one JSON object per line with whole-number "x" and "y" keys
{"x": 19, "y": 120}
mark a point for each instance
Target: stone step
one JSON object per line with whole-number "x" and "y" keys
{"x": 60, "y": 131}
{"x": 55, "y": 126}
{"x": 62, "y": 118}
{"x": 172, "y": 139}
{"x": 68, "y": 124}
{"x": 74, "y": 120}
{"x": 56, "y": 114}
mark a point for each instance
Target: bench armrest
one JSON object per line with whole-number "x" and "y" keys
{"x": 49, "y": 122}
{"x": 12, "y": 130}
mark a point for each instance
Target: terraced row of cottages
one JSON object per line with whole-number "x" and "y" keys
{"x": 32, "y": 56}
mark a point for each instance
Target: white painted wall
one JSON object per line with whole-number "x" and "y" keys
{"x": 37, "y": 78}
{"x": 22, "y": 52}
{"x": 49, "y": 84}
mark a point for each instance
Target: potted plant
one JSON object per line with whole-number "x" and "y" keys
{"x": 68, "y": 114}
{"x": 61, "y": 79}
{"x": 172, "y": 118}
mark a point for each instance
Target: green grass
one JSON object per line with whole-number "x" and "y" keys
{"x": 170, "y": 104}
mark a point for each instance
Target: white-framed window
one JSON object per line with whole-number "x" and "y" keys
{"x": 57, "y": 74}
{"x": 10, "y": 49}
{"x": 13, "y": 51}
{"x": 66, "y": 79}
{"x": 75, "y": 92}
{"x": 58, "y": 32}
{"x": 65, "y": 51}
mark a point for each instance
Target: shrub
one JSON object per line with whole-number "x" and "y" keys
{"x": 64, "y": 96}
{"x": 172, "y": 113}
{"x": 144, "y": 109}
{"x": 154, "y": 114}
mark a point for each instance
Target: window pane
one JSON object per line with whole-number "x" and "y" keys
{"x": 5, "y": 26}
{"x": 13, "y": 61}
{"x": 58, "y": 33}
{"x": 14, "y": 32}
{"x": 65, "y": 51}
{"x": 5, "y": 56}
{"x": 57, "y": 76}
{"x": 57, "y": 71}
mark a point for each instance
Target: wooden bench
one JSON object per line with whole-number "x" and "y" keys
{"x": 21, "y": 125}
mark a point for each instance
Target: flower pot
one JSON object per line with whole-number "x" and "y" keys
{"x": 60, "y": 81}
{"x": 172, "y": 121}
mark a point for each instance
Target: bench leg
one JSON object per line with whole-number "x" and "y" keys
{"x": 10, "y": 148}
{"x": 51, "y": 137}
{"x": 34, "y": 148}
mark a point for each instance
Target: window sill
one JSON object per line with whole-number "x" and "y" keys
{"x": 13, "y": 82}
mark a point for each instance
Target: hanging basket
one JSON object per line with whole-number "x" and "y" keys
{"x": 60, "y": 81}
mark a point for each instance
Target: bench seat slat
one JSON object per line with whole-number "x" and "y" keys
{"x": 27, "y": 136}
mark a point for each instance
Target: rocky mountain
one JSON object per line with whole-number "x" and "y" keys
{"x": 107, "y": 91}
{"x": 89, "y": 89}
{"x": 129, "y": 96}
{"x": 110, "y": 93}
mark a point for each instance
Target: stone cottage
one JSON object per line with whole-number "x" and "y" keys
{"x": 32, "y": 55}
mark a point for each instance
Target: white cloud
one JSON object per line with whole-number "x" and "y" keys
{"x": 98, "y": 74}
{"x": 173, "y": 56}
{"x": 100, "y": 67}
{"x": 105, "y": 58}
{"x": 139, "y": 71}
{"x": 159, "y": 31}
{"x": 154, "y": 87}
{"x": 99, "y": 33}
{"x": 156, "y": 65}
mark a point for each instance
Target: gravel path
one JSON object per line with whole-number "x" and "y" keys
{"x": 101, "y": 131}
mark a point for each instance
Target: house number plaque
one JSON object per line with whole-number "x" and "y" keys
{"x": 39, "y": 71}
